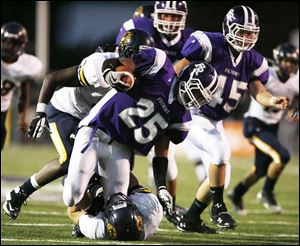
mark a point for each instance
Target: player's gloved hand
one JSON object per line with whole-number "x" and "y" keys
{"x": 116, "y": 80}
{"x": 166, "y": 200}
{"x": 38, "y": 123}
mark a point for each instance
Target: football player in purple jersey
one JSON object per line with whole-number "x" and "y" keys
{"x": 82, "y": 87}
{"x": 167, "y": 27}
{"x": 129, "y": 121}
{"x": 239, "y": 68}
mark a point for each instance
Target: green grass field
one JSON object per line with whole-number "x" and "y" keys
{"x": 43, "y": 221}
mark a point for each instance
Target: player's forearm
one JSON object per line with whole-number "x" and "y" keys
{"x": 74, "y": 214}
{"x": 178, "y": 66}
{"x": 265, "y": 99}
{"x": 63, "y": 78}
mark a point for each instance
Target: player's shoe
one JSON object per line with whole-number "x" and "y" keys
{"x": 13, "y": 202}
{"x": 194, "y": 225}
{"x": 76, "y": 231}
{"x": 237, "y": 202}
{"x": 221, "y": 217}
{"x": 269, "y": 202}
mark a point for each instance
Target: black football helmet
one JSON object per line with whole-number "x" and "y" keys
{"x": 197, "y": 84}
{"x": 13, "y": 41}
{"x": 145, "y": 11}
{"x": 132, "y": 41}
{"x": 122, "y": 219}
{"x": 286, "y": 57}
{"x": 241, "y": 28}
{"x": 178, "y": 8}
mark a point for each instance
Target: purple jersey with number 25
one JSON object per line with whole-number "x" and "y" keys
{"x": 140, "y": 117}
{"x": 234, "y": 74}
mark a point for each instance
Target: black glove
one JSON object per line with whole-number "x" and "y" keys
{"x": 37, "y": 125}
{"x": 166, "y": 200}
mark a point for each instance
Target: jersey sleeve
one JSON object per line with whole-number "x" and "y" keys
{"x": 89, "y": 71}
{"x": 197, "y": 47}
{"x": 260, "y": 68}
{"x": 149, "y": 61}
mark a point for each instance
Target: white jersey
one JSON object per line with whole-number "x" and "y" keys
{"x": 289, "y": 89}
{"x": 78, "y": 101}
{"x": 147, "y": 204}
{"x": 27, "y": 67}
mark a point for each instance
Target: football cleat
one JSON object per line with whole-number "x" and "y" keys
{"x": 269, "y": 202}
{"x": 237, "y": 202}
{"x": 13, "y": 202}
{"x": 221, "y": 217}
{"x": 194, "y": 225}
{"x": 76, "y": 231}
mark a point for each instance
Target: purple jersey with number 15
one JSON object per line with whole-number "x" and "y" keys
{"x": 140, "y": 117}
{"x": 234, "y": 74}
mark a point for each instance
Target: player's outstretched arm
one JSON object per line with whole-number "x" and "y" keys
{"x": 258, "y": 91}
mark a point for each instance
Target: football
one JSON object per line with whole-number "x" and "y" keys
{"x": 126, "y": 78}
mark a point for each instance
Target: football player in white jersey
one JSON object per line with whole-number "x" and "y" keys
{"x": 18, "y": 70}
{"x": 260, "y": 127}
{"x": 134, "y": 218}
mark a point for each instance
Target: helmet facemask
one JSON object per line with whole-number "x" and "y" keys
{"x": 166, "y": 26}
{"x": 236, "y": 38}
{"x": 193, "y": 94}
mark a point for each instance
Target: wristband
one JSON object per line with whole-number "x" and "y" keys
{"x": 273, "y": 100}
{"x": 41, "y": 107}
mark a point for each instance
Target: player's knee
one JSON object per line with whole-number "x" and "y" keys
{"x": 72, "y": 194}
{"x": 221, "y": 156}
{"x": 285, "y": 156}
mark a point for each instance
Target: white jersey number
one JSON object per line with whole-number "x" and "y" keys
{"x": 145, "y": 109}
{"x": 235, "y": 93}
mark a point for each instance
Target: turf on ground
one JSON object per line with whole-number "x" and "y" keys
{"x": 43, "y": 220}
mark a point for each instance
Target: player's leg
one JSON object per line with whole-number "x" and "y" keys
{"x": 192, "y": 153}
{"x": 114, "y": 160}
{"x": 269, "y": 144}
{"x": 62, "y": 126}
{"x": 209, "y": 138}
{"x": 259, "y": 169}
